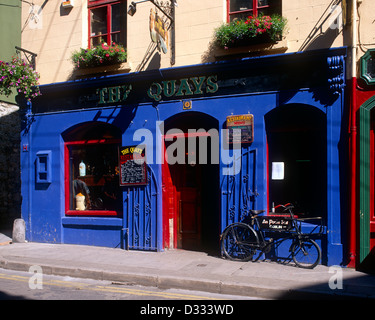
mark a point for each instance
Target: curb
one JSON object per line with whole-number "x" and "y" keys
{"x": 168, "y": 282}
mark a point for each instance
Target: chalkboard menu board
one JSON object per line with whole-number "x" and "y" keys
{"x": 133, "y": 167}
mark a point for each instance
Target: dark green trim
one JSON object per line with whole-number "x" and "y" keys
{"x": 364, "y": 177}
{"x": 364, "y": 72}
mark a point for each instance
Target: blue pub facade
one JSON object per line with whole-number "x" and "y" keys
{"x": 80, "y": 184}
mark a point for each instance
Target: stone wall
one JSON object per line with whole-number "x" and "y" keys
{"x": 10, "y": 182}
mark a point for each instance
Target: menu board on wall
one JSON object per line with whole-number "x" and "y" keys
{"x": 133, "y": 167}
{"x": 244, "y": 122}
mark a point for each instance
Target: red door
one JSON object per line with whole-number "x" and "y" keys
{"x": 182, "y": 204}
{"x": 189, "y": 207}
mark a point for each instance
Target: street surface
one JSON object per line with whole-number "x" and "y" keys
{"x": 16, "y": 285}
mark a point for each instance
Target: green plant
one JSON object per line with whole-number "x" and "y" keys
{"x": 17, "y": 74}
{"x": 232, "y": 33}
{"x": 101, "y": 55}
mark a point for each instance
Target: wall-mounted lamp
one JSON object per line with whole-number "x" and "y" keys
{"x": 132, "y": 9}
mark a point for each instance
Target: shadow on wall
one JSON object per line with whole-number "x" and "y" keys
{"x": 323, "y": 40}
{"x": 317, "y": 38}
{"x": 10, "y": 182}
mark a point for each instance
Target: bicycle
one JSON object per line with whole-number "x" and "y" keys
{"x": 241, "y": 240}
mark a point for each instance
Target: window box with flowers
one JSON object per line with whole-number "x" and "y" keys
{"x": 20, "y": 76}
{"x": 104, "y": 58}
{"x": 252, "y": 31}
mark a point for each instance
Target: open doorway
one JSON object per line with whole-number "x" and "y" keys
{"x": 191, "y": 184}
{"x": 297, "y": 158}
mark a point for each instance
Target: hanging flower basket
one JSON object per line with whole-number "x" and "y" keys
{"x": 252, "y": 31}
{"x": 102, "y": 55}
{"x": 20, "y": 76}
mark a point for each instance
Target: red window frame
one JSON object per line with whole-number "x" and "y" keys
{"x": 68, "y": 211}
{"x": 100, "y": 4}
{"x": 252, "y": 12}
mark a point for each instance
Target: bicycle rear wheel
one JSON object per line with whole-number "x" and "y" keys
{"x": 239, "y": 242}
{"x": 306, "y": 253}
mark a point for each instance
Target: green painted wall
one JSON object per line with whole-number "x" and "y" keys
{"x": 10, "y": 32}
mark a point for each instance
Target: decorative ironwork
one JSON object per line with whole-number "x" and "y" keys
{"x": 27, "y": 118}
{"x": 167, "y": 8}
{"x": 239, "y": 192}
{"x": 27, "y": 55}
{"x": 336, "y": 75}
{"x": 140, "y": 211}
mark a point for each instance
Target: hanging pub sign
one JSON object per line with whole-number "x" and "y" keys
{"x": 158, "y": 31}
{"x": 244, "y": 122}
{"x": 133, "y": 167}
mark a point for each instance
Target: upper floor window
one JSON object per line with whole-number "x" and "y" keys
{"x": 241, "y": 9}
{"x": 107, "y": 22}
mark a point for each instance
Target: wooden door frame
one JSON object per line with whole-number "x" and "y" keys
{"x": 170, "y": 239}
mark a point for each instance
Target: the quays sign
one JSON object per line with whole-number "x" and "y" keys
{"x": 158, "y": 90}
{"x": 229, "y": 78}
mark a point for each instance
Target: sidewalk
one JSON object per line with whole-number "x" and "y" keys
{"x": 185, "y": 270}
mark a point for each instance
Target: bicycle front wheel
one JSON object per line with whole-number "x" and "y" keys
{"x": 239, "y": 242}
{"x": 306, "y": 253}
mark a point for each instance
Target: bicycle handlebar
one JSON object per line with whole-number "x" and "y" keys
{"x": 285, "y": 206}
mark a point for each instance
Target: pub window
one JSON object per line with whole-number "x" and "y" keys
{"x": 92, "y": 184}
{"x": 241, "y": 9}
{"x": 107, "y": 22}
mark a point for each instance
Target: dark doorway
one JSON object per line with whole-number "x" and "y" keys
{"x": 297, "y": 158}
{"x": 190, "y": 187}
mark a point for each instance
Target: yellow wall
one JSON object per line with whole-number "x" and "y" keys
{"x": 57, "y": 32}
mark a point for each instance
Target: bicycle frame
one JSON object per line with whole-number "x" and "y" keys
{"x": 264, "y": 245}
{"x": 263, "y": 229}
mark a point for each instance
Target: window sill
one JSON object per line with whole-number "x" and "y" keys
{"x": 251, "y": 50}
{"x": 92, "y": 213}
{"x": 102, "y": 70}
{"x": 112, "y": 222}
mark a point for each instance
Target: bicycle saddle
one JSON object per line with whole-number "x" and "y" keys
{"x": 256, "y": 212}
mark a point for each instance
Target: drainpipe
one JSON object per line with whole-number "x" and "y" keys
{"x": 353, "y": 138}
{"x": 29, "y": 119}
